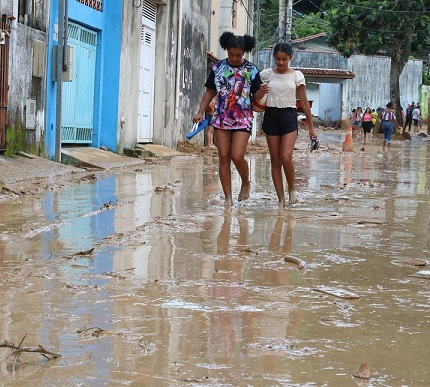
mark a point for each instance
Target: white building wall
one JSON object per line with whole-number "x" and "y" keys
{"x": 175, "y": 103}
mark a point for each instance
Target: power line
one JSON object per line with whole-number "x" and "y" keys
{"x": 380, "y": 30}
{"x": 345, "y": 3}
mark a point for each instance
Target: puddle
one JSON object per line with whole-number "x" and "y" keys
{"x": 143, "y": 277}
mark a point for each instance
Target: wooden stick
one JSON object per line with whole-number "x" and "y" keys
{"x": 39, "y": 349}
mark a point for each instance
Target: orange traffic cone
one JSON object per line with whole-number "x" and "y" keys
{"x": 347, "y": 144}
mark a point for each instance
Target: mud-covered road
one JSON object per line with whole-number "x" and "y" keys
{"x": 144, "y": 278}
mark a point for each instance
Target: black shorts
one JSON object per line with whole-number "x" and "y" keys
{"x": 235, "y": 130}
{"x": 367, "y": 126}
{"x": 280, "y": 121}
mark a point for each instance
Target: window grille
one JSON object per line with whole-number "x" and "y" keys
{"x": 95, "y": 4}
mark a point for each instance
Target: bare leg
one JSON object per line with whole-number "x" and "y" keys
{"x": 274, "y": 144}
{"x": 287, "y": 148}
{"x": 238, "y": 148}
{"x": 223, "y": 139}
{"x": 281, "y": 156}
{"x": 210, "y": 136}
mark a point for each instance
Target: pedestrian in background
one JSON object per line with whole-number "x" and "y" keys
{"x": 388, "y": 122}
{"x": 209, "y": 112}
{"x": 283, "y": 84}
{"x": 416, "y": 115}
{"x": 233, "y": 81}
{"x": 408, "y": 116}
{"x": 366, "y": 122}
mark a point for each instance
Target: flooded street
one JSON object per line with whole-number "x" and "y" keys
{"x": 144, "y": 278}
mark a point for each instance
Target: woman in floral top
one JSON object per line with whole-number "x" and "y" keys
{"x": 233, "y": 81}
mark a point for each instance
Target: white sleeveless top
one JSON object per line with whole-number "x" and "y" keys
{"x": 282, "y": 87}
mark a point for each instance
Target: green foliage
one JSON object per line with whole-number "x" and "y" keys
{"x": 15, "y": 136}
{"x": 426, "y": 76}
{"x": 303, "y": 24}
{"x": 367, "y": 27}
{"x": 307, "y": 25}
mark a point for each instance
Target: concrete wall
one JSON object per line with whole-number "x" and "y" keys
{"x": 181, "y": 104}
{"x": 425, "y": 102}
{"x": 174, "y": 106}
{"x": 129, "y": 76}
{"x": 22, "y": 84}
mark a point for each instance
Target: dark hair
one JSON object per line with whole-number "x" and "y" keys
{"x": 229, "y": 40}
{"x": 283, "y": 47}
{"x": 389, "y": 104}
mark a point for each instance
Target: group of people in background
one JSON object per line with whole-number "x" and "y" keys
{"x": 363, "y": 122}
{"x": 412, "y": 114}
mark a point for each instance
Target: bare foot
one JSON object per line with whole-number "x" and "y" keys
{"x": 244, "y": 192}
{"x": 293, "y": 197}
{"x": 281, "y": 204}
{"x": 228, "y": 201}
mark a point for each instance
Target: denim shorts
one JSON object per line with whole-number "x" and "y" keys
{"x": 387, "y": 128}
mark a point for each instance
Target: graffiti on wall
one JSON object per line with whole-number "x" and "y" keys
{"x": 187, "y": 80}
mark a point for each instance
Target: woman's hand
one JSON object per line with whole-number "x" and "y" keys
{"x": 264, "y": 87}
{"x": 312, "y": 132}
{"x": 198, "y": 117}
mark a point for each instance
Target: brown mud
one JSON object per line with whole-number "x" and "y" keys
{"x": 143, "y": 277}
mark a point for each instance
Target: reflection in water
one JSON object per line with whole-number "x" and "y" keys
{"x": 188, "y": 291}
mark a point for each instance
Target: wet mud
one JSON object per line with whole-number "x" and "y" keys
{"x": 143, "y": 277}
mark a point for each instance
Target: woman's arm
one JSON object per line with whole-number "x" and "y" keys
{"x": 206, "y": 100}
{"x": 304, "y": 103}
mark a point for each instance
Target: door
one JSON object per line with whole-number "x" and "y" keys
{"x": 146, "y": 73}
{"x": 78, "y": 95}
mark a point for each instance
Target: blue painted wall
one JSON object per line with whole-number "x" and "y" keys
{"x": 107, "y": 24}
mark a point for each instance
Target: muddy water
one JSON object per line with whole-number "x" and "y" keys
{"x": 182, "y": 291}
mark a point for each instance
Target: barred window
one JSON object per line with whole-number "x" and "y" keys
{"x": 96, "y": 4}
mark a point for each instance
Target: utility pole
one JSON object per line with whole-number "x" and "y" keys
{"x": 281, "y": 20}
{"x": 61, "y": 10}
{"x": 289, "y": 21}
{"x": 257, "y": 33}
{"x": 225, "y": 20}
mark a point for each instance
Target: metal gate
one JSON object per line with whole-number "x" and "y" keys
{"x": 4, "y": 79}
{"x": 78, "y": 95}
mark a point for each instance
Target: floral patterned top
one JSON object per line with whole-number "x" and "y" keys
{"x": 234, "y": 85}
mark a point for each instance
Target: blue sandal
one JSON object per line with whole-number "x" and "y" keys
{"x": 197, "y": 127}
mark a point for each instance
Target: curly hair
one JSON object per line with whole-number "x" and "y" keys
{"x": 229, "y": 40}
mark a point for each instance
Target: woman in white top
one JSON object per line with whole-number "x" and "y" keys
{"x": 284, "y": 85}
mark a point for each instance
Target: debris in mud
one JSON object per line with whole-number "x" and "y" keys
{"x": 85, "y": 252}
{"x": 169, "y": 188}
{"x": 369, "y": 222}
{"x": 423, "y": 274}
{"x": 248, "y": 250}
{"x": 18, "y": 350}
{"x": 341, "y": 293}
{"x": 92, "y": 332}
{"x": 414, "y": 262}
{"x": 147, "y": 347}
{"x": 302, "y": 264}
{"x": 363, "y": 372}
{"x": 118, "y": 274}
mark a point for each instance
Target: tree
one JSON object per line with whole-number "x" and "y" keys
{"x": 305, "y": 22}
{"x": 392, "y": 27}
